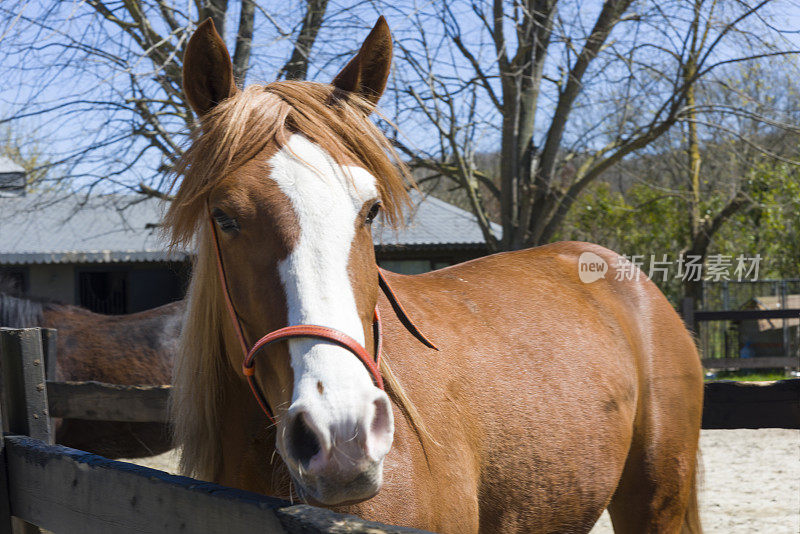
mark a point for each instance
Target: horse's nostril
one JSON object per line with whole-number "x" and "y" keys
{"x": 380, "y": 429}
{"x": 381, "y": 421}
{"x": 303, "y": 442}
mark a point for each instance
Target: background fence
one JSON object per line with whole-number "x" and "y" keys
{"x": 760, "y": 336}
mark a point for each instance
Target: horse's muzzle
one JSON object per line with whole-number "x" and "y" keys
{"x": 331, "y": 490}
{"x": 338, "y": 459}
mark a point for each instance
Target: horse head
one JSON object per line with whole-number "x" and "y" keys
{"x": 281, "y": 184}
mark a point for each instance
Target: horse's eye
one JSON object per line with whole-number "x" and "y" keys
{"x": 225, "y": 222}
{"x": 373, "y": 212}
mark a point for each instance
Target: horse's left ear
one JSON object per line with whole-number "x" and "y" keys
{"x": 207, "y": 69}
{"x": 366, "y": 74}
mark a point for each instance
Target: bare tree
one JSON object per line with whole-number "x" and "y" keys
{"x": 738, "y": 141}
{"x": 563, "y": 91}
{"x": 701, "y": 187}
{"x": 115, "y": 67}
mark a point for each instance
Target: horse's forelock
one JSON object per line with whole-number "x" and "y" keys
{"x": 231, "y": 133}
{"x": 241, "y": 127}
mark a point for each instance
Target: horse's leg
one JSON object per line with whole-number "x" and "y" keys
{"x": 656, "y": 495}
{"x": 657, "y": 490}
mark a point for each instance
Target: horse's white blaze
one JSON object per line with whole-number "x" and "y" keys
{"x": 326, "y": 199}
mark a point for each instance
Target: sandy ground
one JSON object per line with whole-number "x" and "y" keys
{"x": 751, "y": 481}
{"x": 165, "y": 462}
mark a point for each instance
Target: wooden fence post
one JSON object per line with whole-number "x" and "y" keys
{"x": 687, "y": 312}
{"x": 49, "y": 343}
{"x": 23, "y": 393}
{"x": 6, "y": 524}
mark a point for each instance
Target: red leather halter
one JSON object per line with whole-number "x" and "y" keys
{"x": 322, "y": 333}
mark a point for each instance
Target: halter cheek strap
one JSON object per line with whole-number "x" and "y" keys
{"x": 322, "y": 333}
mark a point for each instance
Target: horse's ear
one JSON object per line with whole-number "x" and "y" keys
{"x": 366, "y": 74}
{"x": 207, "y": 69}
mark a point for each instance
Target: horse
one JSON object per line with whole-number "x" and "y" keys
{"x": 508, "y": 395}
{"x": 133, "y": 349}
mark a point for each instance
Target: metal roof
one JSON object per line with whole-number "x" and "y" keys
{"x": 8, "y": 166}
{"x": 51, "y": 228}
{"x": 432, "y": 222}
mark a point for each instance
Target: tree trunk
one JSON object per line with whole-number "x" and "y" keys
{"x": 244, "y": 42}
{"x": 216, "y": 10}
{"x": 297, "y": 66}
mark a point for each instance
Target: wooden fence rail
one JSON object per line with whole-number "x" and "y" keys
{"x": 726, "y": 404}
{"x": 758, "y": 362}
{"x": 74, "y": 492}
{"x": 692, "y": 318}
{"x": 745, "y": 315}
{"x": 108, "y": 402}
{"x": 729, "y": 404}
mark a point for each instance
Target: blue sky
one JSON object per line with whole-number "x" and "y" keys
{"x": 41, "y": 76}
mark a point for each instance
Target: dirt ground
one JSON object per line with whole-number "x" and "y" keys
{"x": 751, "y": 481}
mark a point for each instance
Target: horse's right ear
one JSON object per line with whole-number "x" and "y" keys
{"x": 366, "y": 74}
{"x": 207, "y": 69}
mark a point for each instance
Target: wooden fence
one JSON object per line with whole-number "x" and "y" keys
{"x": 729, "y": 404}
{"x": 69, "y": 491}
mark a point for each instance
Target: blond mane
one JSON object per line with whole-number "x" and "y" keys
{"x": 232, "y": 133}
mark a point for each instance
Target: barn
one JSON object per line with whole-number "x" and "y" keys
{"x": 106, "y": 252}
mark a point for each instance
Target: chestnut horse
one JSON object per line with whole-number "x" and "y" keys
{"x": 133, "y": 349}
{"x": 547, "y": 400}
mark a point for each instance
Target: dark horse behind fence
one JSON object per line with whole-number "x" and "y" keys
{"x": 509, "y": 395}
{"x": 135, "y": 349}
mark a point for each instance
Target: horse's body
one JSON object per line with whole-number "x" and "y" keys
{"x": 548, "y": 399}
{"x": 542, "y": 390}
{"x": 134, "y": 349}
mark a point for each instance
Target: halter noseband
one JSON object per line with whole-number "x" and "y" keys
{"x": 322, "y": 333}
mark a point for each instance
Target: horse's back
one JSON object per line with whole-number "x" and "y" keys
{"x": 132, "y": 349}
{"x": 539, "y": 379}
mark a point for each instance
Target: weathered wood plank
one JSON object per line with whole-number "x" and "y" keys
{"x": 766, "y": 362}
{"x": 49, "y": 348}
{"x": 304, "y": 519}
{"x": 70, "y": 491}
{"x": 24, "y": 395}
{"x": 745, "y": 315}
{"x": 5, "y": 509}
{"x": 729, "y": 404}
{"x": 108, "y": 402}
